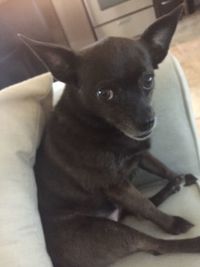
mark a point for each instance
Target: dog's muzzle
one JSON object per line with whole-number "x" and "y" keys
{"x": 147, "y": 134}
{"x": 143, "y": 136}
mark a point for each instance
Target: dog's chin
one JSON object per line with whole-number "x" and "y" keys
{"x": 135, "y": 135}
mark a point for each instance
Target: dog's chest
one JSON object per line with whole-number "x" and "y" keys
{"x": 126, "y": 164}
{"x": 128, "y": 156}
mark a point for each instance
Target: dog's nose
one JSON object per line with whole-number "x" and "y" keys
{"x": 147, "y": 124}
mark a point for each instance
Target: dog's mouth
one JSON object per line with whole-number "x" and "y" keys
{"x": 140, "y": 137}
{"x": 143, "y": 136}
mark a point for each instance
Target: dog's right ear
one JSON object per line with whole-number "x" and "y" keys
{"x": 59, "y": 60}
{"x": 158, "y": 36}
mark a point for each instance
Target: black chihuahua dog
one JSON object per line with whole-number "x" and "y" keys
{"x": 97, "y": 135}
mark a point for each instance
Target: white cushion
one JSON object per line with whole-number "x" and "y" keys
{"x": 22, "y": 116}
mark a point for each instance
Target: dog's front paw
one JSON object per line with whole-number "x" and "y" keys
{"x": 179, "y": 226}
{"x": 190, "y": 179}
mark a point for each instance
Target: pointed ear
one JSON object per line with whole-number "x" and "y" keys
{"x": 158, "y": 36}
{"x": 60, "y": 61}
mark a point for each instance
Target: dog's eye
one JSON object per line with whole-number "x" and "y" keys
{"x": 147, "y": 81}
{"x": 105, "y": 94}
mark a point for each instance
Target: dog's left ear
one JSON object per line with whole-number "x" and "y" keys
{"x": 61, "y": 61}
{"x": 158, "y": 36}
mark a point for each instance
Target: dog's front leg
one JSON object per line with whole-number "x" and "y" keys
{"x": 154, "y": 166}
{"x": 132, "y": 201}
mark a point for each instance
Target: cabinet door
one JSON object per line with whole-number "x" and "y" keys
{"x": 100, "y": 15}
{"x": 128, "y": 26}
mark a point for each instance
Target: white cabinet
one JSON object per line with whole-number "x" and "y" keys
{"x": 99, "y": 16}
{"x": 128, "y": 26}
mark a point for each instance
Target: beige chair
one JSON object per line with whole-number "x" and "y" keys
{"x": 24, "y": 109}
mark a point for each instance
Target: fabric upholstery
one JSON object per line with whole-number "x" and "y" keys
{"x": 23, "y": 111}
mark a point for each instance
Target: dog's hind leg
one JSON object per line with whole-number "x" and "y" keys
{"x": 84, "y": 241}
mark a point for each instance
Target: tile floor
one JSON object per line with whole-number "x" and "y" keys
{"x": 186, "y": 47}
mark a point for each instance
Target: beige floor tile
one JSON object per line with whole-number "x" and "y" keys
{"x": 198, "y": 125}
{"x": 195, "y": 93}
{"x": 188, "y": 28}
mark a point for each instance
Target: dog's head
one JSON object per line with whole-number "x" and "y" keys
{"x": 114, "y": 78}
